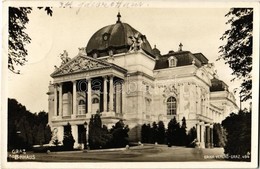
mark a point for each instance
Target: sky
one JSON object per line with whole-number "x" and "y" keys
{"x": 198, "y": 29}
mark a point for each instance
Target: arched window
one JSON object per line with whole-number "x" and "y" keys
{"x": 172, "y": 61}
{"x": 171, "y": 106}
{"x": 95, "y": 100}
{"x": 81, "y": 102}
{"x": 81, "y": 107}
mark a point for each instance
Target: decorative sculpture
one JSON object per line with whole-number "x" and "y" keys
{"x": 54, "y": 137}
{"x": 137, "y": 41}
{"x": 80, "y": 64}
{"x": 170, "y": 89}
{"x": 64, "y": 57}
{"x": 55, "y": 67}
{"x": 82, "y": 51}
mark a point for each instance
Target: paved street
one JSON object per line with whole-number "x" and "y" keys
{"x": 146, "y": 153}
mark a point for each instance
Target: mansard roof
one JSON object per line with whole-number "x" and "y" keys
{"x": 218, "y": 85}
{"x": 183, "y": 58}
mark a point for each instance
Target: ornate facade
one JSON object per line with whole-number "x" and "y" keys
{"x": 120, "y": 76}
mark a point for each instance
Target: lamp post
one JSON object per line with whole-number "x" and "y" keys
{"x": 86, "y": 127}
{"x": 19, "y": 144}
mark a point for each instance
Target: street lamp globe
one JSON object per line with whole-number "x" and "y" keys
{"x": 85, "y": 124}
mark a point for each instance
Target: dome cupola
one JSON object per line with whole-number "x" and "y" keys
{"x": 117, "y": 38}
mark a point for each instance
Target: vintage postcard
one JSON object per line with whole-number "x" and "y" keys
{"x": 148, "y": 84}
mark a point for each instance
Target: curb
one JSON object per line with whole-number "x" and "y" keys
{"x": 105, "y": 150}
{"x": 63, "y": 152}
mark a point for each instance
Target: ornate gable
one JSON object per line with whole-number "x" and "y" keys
{"x": 79, "y": 64}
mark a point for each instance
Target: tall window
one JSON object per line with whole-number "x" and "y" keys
{"x": 171, "y": 106}
{"x": 81, "y": 107}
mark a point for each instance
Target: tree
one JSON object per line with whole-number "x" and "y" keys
{"x": 18, "y": 38}
{"x": 25, "y": 128}
{"x": 40, "y": 134}
{"x": 172, "y": 132}
{"x": 219, "y": 135}
{"x": 237, "y": 52}
{"x": 154, "y": 133}
{"x": 145, "y": 133}
{"x": 68, "y": 140}
{"x": 161, "y": 133}
{"x": 182, "y": 133}
{"x": 238, "y": 127}
{"x": 47, "y": 134}
{"x": 99, "y": 136}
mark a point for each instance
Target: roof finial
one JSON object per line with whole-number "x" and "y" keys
{"x": 118, "y": 16}
{"x": 180, "y": 47}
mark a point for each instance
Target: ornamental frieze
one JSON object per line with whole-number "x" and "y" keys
{"x": 80, "y": 64}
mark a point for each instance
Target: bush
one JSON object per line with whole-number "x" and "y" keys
{"x": 120, "y": 135}
{"x": 192, "y": 137}
{"x": 99, "y": 137}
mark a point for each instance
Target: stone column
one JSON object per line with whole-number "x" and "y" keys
{"x": 60, "y": 100}
{"x": 207, "y": 127}
{"x": 74, "y": 97}
{"x": 211, "y": 136}
{"x": 111, "y": 94}
{"x": 89, "y": 96}
{"x": 118, "y": 98}
{"x": 123, "y": 97}
{"x": 55, "y": 100}
{"x": 198, "y": 132}
{"x": 202, "y": 135}
{"x": 105, "y": 93}
{"x": 215, "y": 116}
{"x": 74, "y": 130}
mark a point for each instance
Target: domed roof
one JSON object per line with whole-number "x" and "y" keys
{"x": 117, "y": 37}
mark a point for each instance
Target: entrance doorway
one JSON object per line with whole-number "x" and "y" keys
{"x": 81, "y": 134}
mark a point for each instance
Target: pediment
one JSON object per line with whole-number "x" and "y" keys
{"x": 79, "y": 64}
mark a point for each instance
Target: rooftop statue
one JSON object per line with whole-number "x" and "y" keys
{"x": 64, "y": 57}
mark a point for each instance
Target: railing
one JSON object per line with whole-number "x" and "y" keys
{"x": 171, "y": 117}
{"x": 66, "y": 117}
{"x": 108, "y": 114}
{"x": 80, "y": 115}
